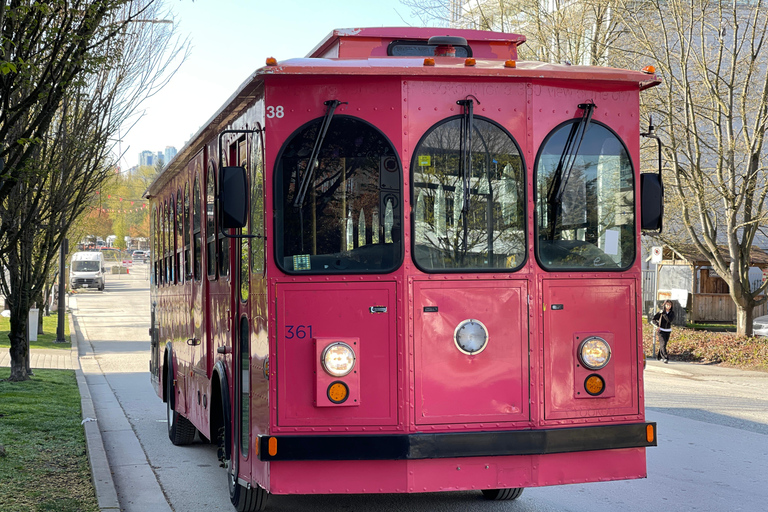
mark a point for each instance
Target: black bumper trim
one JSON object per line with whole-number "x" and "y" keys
{"x": 455, "y": 444}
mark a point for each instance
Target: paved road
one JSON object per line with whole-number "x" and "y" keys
{"x": 712, "y": 453}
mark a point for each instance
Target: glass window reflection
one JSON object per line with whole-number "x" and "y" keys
{"x": 468, "y": 222}
{"x": 348, "y": 221}
{"x": 592, "y": 226}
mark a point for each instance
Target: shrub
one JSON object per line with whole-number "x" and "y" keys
{"x": 712, "y": 347}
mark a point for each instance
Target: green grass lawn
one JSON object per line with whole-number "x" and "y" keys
{"x": 45, "y": 467}
{"x": 50, "y": 323}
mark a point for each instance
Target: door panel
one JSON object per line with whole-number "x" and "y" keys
{"x": 319, "y": 313}
{"x": 584, "y": 308}
{"x": 456, "y": 387}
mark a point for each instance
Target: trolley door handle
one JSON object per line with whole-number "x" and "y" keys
{"x": 192, "y": 342}
{"x": 378, "y": 309}
{"x": 223, "y": 350}
{"x": 557, "y": 307}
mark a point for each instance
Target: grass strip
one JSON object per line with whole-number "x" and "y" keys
{"x": 44, "y": 467}
{"x": 50, "y": 324}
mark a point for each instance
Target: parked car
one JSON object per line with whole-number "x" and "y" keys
{"x": 760, "y": 326}
{"x": 142, "y": 256}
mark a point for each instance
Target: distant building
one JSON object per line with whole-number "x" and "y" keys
{"x": 147, "y": 158}
{"x": 170, "y": 152}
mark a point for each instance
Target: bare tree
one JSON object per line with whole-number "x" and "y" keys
{"x": 577, "y": 32}
{"x": 713, "y": 104}
{"x": 64, "y": 164}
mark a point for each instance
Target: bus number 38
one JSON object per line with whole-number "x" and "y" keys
{"x": 277, "y": 111}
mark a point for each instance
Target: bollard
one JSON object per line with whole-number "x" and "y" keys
{"x": 32, "y": 327}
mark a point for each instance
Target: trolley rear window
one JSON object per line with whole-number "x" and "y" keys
{"x": 342, "y": 215}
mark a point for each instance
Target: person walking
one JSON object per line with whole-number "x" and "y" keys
{"x": 663, "y": 322}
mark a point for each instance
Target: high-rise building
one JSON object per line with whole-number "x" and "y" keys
{"x": 146, "y": 158}
{"x": 170, "y": 152}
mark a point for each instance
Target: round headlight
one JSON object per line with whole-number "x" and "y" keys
{"x": 594, "y": 353}
{"x": 471, "y": 337}
{"x": 338, "y": 359}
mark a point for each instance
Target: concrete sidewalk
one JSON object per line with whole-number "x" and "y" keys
{"x": 103, "y": 418}
{"x": 52, "y": 359}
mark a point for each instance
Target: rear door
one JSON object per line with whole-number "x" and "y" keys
{"x": 490, "y": 385}
{"x": 313, "y": 315}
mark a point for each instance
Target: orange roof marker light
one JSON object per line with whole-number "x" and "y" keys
{"x": 271, "y": 61}
{"x": 469, "y": 62}
{"x": 429, "y": 61}
{"x": 510, "y": 64}
{"x": 649, "y": 70}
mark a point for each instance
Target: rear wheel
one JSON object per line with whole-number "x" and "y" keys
{"x": 502, "y": 494}
{"x": 181, "y": 431}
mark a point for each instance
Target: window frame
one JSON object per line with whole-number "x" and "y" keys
{"x": 523, "y": 197}
{"x": 535, "y": 182}
{"x": 211, "y": 238}
{"x": 277, "y": 190}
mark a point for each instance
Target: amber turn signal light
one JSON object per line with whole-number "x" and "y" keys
{"x": 594, "y": 384}
{"x": 272, "y": 446}
{"x": 271, "y": 61}
{"x": 650, "y": 435}
{"x": 510, "y": 64}
{"x": 649, "y": 70}
{"x": 338, "y": 392}
{"x": 429, "y": 61}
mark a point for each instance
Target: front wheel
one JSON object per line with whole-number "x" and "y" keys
{"x": 244, "y": 499}
{"x": 502, "y": 494}
{"x": 181, "y": 431}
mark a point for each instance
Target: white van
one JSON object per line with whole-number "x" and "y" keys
{"x": 87, "y": 270}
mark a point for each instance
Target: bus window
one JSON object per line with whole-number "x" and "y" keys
{"x": 197, "y": 229}
{"x": 187, "y": 254}
{"x": 169, "y": 277}
{"x": 210, "y": 224}
{"x": 357, "y": 172}
{"x": 242, "y": 148}
{"x": 177, "y": 264}
{"x": 585, "y": 211}
{"x": 244, "y": 385}
{"x": 257, "y": 205}
{"x": 155, "y": 252}
{"x": 472, "y": 222}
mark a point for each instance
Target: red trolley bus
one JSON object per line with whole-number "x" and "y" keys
{"x": 408, "y": 263}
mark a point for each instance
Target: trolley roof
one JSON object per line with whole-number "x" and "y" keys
{"x": 363, "y": 52}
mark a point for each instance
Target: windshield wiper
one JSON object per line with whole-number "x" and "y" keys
{"x": 306, "y": 179}
{"x": 565, "y": 165}
{"x": 465, "y": 161}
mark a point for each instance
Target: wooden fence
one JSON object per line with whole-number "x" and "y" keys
{"x": 717, "y": 307}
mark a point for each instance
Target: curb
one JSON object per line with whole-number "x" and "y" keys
{"x": 101, "y": 474}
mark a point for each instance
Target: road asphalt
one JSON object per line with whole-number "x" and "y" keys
{"x": 110, "y": 419}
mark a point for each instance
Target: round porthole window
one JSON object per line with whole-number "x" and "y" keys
{"x": 471, "y": 337}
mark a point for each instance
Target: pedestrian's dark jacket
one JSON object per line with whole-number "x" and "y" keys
{"x": 664, "y": 319}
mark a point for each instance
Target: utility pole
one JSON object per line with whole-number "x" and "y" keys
{"x": 63, "y": 250}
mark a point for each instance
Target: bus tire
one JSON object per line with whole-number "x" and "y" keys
{"x": 502, "y": 494}
{"x": 244, "y": 499}
{"x": 181, "y": 431}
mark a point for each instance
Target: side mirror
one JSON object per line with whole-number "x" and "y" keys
{"x": 651, "y": 202}
{"x": 233, "y": 197}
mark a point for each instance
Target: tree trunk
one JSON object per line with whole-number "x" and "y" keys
{"x": 19, "y": 356}
{"x": 744, "y": 317}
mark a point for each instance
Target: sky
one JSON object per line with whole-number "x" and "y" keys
{"x": 230, "y": 39}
